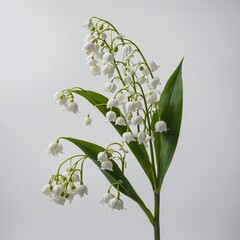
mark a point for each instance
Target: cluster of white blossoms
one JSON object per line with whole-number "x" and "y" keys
{"x": 65, "y": 186}
{"x": 66, "y": 99}
{"x": 112, "y": 201}
{"x": 131, "y": 82}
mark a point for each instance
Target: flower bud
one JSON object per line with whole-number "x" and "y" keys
{"x": 103, "y": 36}
{"x": 87, "y": 120}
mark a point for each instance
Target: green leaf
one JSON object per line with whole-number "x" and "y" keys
{"x": 139, "y": 151}
{"x": 170, "y": 111}
{"x": 92, "y": 150}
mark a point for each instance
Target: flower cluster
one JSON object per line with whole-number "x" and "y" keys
{"x": 113, "y": 201}
{"x": 66, "y": 99}
{"x": 65, "y": 186}
{"x": 132, "y": 83}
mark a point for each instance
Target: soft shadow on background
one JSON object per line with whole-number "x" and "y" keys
{"x": 40, "y": 53}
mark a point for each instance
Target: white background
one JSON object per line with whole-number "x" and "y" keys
{"x": 40, "y": 53}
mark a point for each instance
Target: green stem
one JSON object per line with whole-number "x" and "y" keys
{"x": 156, "y": 224}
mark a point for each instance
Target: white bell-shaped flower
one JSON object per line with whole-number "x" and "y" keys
{"x": 55, "y": 148}
{"x": 88, "y": 24}
{"x": 153, "y": 83}
{"x": 72, "y": 106}
{"x": 142, "y": 137}
{"x": 89, "y": 47}
{"x": 110, "y": 87}
{"x": 152, "y": 97}
{"x": 81, "y": 190}
{"x": 127, "y": 79}
{"x": 107, "y": 165}
{"x": 145, "y": 71}
{"x": 126, "y": 49}
{"x": 131, "y": 106}
{"x": 112, "y": 103}
{"x": 161, "y": 126}
{"x": 136, "y": 120}
{"x": 87, "y": 120}
{"x": 60, "y": 98}
{"x": 108, "y": 58}
{"x": 102, "y": 156}
{"x": 128, "y": 137}
{"x": 108, "y": 70}
{"x": 106, "y": 198}
{"x": 115, "y": 203}
{"x": 89, "y": 38}
{"x": 92, "y": 62}
{"x": 75, "y": 177}
{"x": 111, "y": 116}
{"x": 95, "y": 70}
{"x": 120, "y": 97}
{"x": 57, "y": 190}
{"x": 46, "y": 190}
{"x": 153, "y": 66}
{"x": 120, "y": 121}
{"x": 59, "y": 200}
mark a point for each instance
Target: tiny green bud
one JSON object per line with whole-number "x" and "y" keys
{"x": 115, "y": 49}
{"x": 62, "y": 194}
{"x": 67, "y": 195}
{"x": 129, "y": 117}
{"x": 73, "y": 187}
{"x": 101, "y": 27}
{"x": 102, "y": 44}
{"x": 50, "y": 188}
{"x": 93, "y": 28}
{"x": 141, "y": 68}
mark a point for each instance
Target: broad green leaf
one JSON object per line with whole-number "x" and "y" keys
{"x": 139, "y": 151}
{"x": 92, "y": 150}
{"x": 170, "y": 111}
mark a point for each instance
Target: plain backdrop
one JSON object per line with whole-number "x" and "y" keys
{"x": 40, "y": 53}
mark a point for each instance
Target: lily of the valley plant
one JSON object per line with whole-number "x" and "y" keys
{"x": 147, "y": 119}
